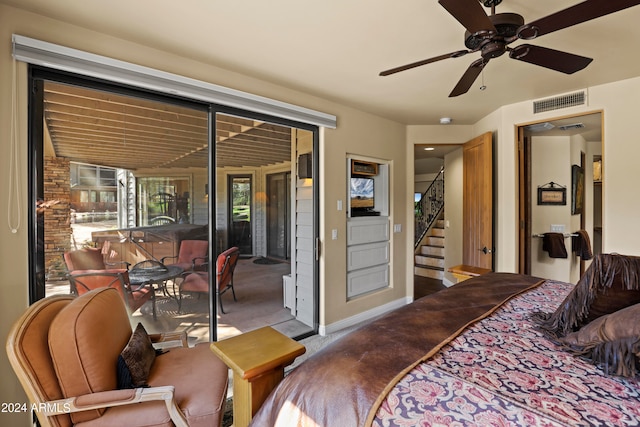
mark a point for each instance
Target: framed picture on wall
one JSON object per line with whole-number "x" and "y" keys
{"x": 577, "y": 190}
{"x": 552, "y": 194}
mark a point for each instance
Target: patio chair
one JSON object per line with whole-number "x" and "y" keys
{"x": 192, "y": 255}
{"x": 89, "y": 259}
{"x": 84, "y": 281}
{"x": 198, "y": 281}
{"x": 66, "y": 351}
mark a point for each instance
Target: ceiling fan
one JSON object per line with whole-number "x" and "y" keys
{"x": 491, "y": 35}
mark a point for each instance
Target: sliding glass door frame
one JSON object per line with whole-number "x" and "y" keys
{"x": 38, "y": 75}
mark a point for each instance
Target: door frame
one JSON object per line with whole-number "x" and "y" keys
{"x": 523, "y": 150}
{"x": 35, "y": 163}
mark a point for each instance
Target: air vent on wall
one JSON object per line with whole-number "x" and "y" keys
{"x": 558, "y": 102}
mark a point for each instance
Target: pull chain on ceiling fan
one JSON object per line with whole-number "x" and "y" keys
{"x": 491, "y": 35}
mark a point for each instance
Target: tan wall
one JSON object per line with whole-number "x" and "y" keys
{"x": 618, "y": 101}
{"x": 357, "y": 132}
{"x": 383, "y": 140}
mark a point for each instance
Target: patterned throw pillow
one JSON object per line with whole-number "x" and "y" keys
{"x": 611, "y": 342}
{"x": 134, "y": 363}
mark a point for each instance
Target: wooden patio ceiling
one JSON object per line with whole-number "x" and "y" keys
{"x": 108, "y": 129}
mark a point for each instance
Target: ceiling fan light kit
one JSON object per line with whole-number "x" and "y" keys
{"x": 491, "y": 35}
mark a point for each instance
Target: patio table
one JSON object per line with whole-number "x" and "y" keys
{"x": 158, "y": 275}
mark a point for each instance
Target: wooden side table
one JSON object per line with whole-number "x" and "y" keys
{"x": 463, "y": 272}
{"x": 257, "y": 359}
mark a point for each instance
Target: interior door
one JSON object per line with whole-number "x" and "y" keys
{"x": 478, "y": 202}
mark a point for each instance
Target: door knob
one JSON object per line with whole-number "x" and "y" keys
{"x": 485, "y": 250}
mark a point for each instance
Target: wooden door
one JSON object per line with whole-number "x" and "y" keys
{"x": 478, "y": 202}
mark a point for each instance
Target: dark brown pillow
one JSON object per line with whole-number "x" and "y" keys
{"x": 609, "y": 284}
{"x": 611, "y": 342}
{"x": 134, "y": 363}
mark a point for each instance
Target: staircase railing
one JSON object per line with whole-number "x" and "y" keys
{"x": 429, "y": 207}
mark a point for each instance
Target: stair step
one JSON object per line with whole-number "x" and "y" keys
{"x": 439, "y": 224}
{"x": 428, "y": 272}
{"x": 438, "y": 232}
{"x": 435, "y": 241}
{"x": 432, "y": 250}
{"x": 429, "y": 261}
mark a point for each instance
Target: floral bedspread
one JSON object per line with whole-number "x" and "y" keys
{"x": 503, "y": 372}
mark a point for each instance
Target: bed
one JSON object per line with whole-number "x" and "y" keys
{"x": 473, "y": 354}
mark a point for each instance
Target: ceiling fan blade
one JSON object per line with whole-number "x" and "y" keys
{"x": 557, "y": 60}
{"x": 469, "y": 13}
{"x": 455, "y": 54}
{"x": 577, "y": 14}
{"x": 469, "y": 76}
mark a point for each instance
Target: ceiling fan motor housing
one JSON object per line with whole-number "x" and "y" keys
{"x": 491, "y": 3}
{"x": 506, "y": 24}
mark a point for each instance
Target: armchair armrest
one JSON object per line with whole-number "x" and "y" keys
{"x": 113, "y": 264}
{"x": 202, "y": 266}
{"x": 170, "y": 336}
{"x": 106, "y": 399}
{"x": 168, "y": 257}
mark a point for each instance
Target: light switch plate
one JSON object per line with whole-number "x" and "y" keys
{"x": 557, "y": 228}
{"x": 397, "y": 228}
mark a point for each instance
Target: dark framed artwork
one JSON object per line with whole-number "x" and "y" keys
{"x": 577, "y": 189}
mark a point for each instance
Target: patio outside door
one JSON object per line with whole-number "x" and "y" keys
{"x": 240, "y": 213}
{"x": 278, "y": 218}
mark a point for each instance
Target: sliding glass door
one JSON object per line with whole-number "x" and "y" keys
{"x": 256, "y": 162}
{"x": 132, "y": 176}
{"x": 119, "y": 176}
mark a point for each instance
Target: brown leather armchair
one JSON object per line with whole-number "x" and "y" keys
{"x": 65, "y": 352}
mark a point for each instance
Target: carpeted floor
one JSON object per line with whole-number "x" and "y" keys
{"x": 315, "y": 343}
{"x": 312, "y": 345}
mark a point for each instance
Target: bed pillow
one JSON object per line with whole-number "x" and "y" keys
{"x": 611, "y": 342}
{"x": 134, "y": 363}
{"x": 609, "y": 284}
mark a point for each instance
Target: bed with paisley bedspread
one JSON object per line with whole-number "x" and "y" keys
{"x": 471, "y": 355}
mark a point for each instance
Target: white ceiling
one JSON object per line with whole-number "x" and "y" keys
{"x": 336, "y": 48}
